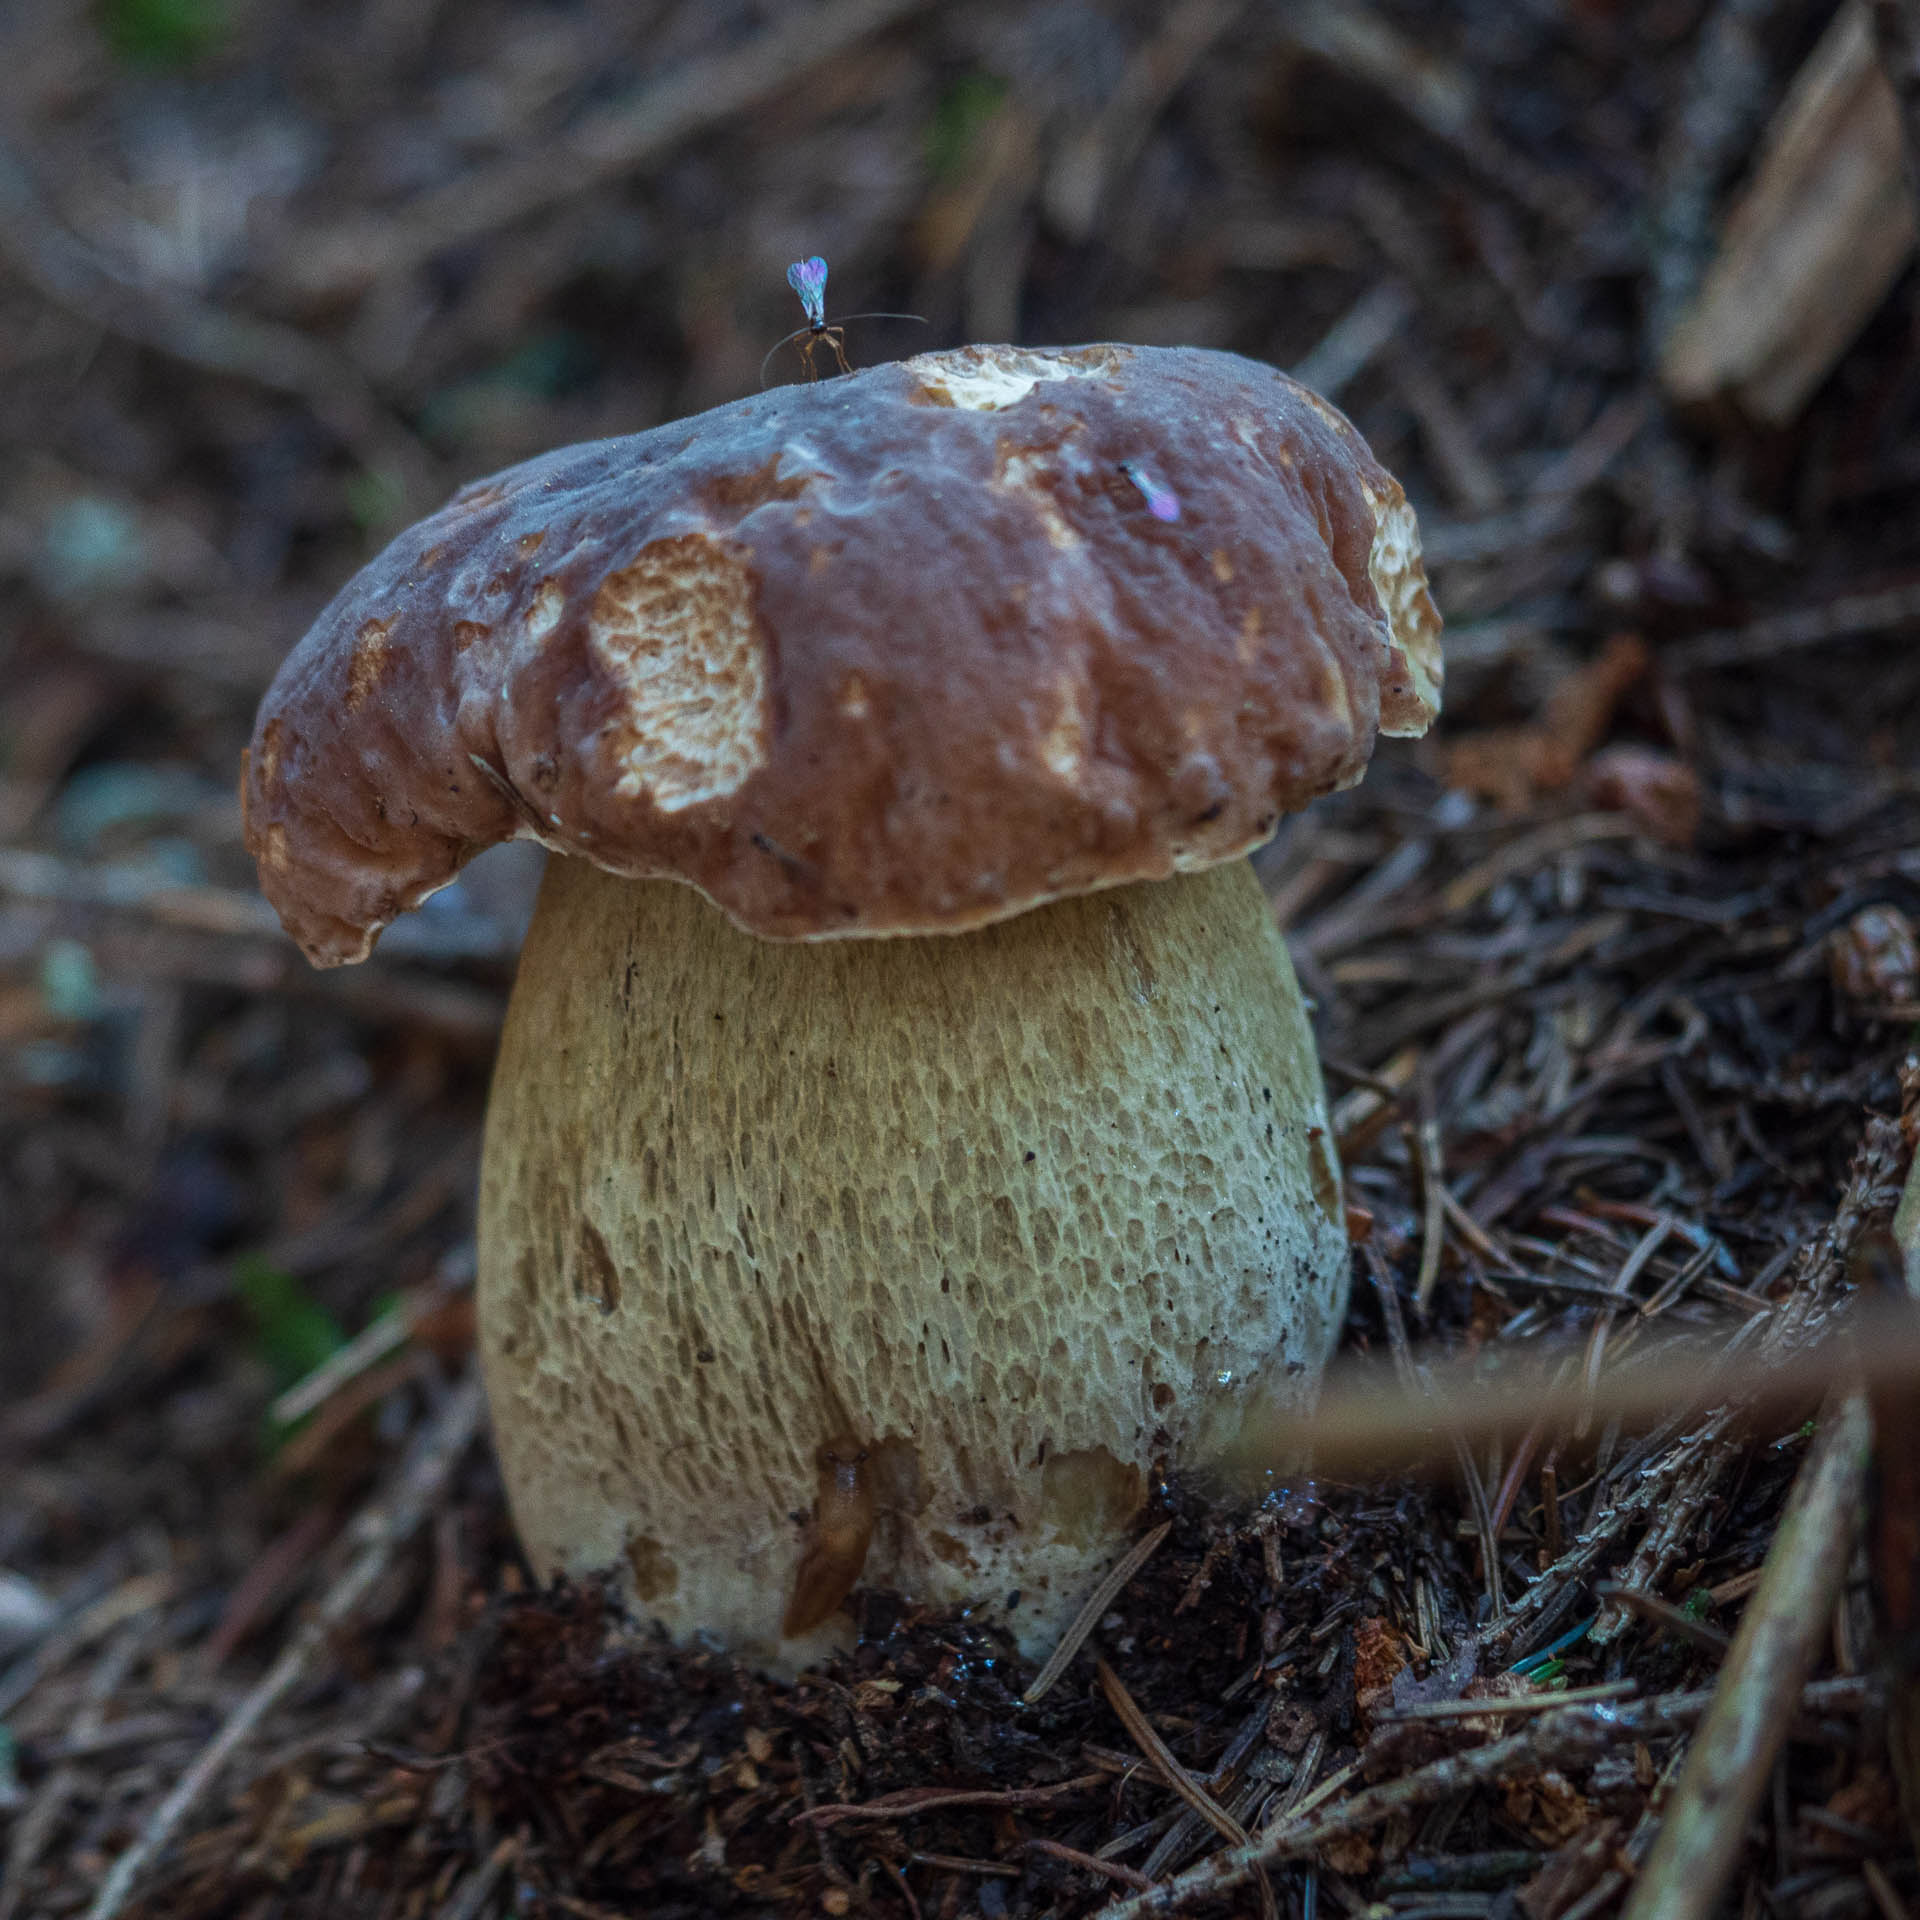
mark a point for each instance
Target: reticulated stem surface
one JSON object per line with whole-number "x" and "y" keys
{"x": 1029, "y": 1211}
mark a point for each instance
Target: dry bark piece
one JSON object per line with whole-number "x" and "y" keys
{"x": 1547, "y": 1807}
{"x": 1380, "y": 1654}
{"x": 1812, "y": 245}
{"x": 1875, "y": 957}
{"x": 1571, "y": 1870}
{"x": 1658, "y": 791}
{"x": 1511, "y": 765}
{"x": 824, "y": 1257}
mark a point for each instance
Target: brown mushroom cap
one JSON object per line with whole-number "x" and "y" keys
{"x": 903, "y": 652}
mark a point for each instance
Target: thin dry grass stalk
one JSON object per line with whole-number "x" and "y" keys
{"x": 1095, "y": 1604}
{"x": 1368, "y": 1424}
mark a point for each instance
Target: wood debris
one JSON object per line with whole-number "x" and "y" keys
{"x": 1812, "y": 245}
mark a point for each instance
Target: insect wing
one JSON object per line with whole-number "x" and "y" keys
{"x": 1162, "y": 502}
{"x": 808, "y": 278}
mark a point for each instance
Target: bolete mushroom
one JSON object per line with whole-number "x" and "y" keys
{"x": 945, "y": 1156}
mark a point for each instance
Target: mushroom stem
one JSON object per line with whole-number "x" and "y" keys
{"x": 1029, "y": 1213}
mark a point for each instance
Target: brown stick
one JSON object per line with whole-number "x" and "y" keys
{"x": 912, "y": 1800}
{"x": 1734, "y": 1752}
{"x": 1090, "y": 1863}
{"x": 1093, "y": 1608}
{"x": 1162, "y": 1759}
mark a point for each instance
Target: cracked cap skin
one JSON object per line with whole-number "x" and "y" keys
{"x": 906, "y": 652}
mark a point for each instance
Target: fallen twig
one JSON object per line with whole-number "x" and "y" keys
{"x": 1145, "y": 1736}
{"x": 1665, "y": 1615}
{"x": 1734, "y": 1752}
{"x": 1091, "y": 1863}
{"x": 73, "y": 276}
{"x": 380, "y": 1532}
{"x": 916, "y": 1800}
{"x": 602, "y": 146}
{"x": 1496, "y": 1708}
{"x": 1846, "y": 616}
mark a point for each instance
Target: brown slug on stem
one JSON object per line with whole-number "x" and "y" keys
{"x": 837, "y": 1536}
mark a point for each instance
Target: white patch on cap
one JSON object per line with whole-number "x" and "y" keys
{"x": 1063, "y": 747}
{"x": 676, "y": 631}
{"x": 986, "y": 379}
{"x": 1413, "y": 627}
{"x": 1020, "y": 473}
{"x": 545, "y": 609}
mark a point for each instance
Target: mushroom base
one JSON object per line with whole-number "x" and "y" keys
{"x": 1030, "y": 1214}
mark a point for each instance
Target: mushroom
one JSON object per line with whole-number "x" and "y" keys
{"x": 946, "y": 1157}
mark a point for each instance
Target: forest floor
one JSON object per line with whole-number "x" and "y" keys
{"x": 1614, "y": 976}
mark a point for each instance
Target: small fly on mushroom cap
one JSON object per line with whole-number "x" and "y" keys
{"x": 947, "y": 1155}
{"x": 808, "y": 279}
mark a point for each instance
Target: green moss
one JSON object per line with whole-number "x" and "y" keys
{"x": 292, "y": 1331}
{"x": 958, "y": 121}
{"x": 163, "y": 33}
